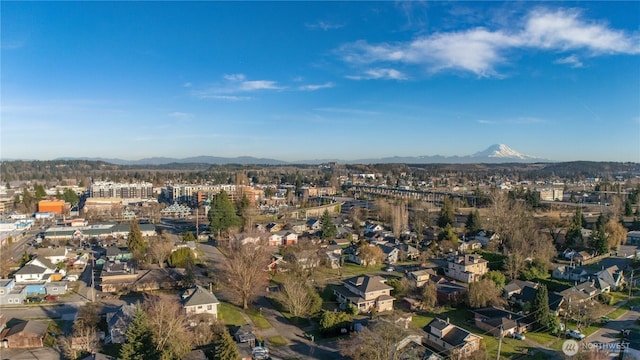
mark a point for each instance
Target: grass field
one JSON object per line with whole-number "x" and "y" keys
{"x": 230, "y": 315}
{"x": 277, "y": 341}
{"x": 258, "y": 320}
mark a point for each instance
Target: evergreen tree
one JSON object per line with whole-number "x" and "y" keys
{"x": 574, "y": 234}
{"x": 222, "y": 215}
{"x": 474, "y": 223}
{"x": 138, "y": 339}
{"x": 71, "y": 197}
{"x": 40, "y": 193}
{"x": 540, "y": 306}
{"x": 446, "y": 213}
{"x": 135, "y": 242}
{"x": 327, "y": 227}
{"x": 226, "y": 348}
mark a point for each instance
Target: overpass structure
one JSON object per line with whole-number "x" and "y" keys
{"x": 433, "y": 197}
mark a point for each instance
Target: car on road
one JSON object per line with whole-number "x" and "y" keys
{"x": 518, "y": 336}
{"x": 389, "y": 269}
{"x": 576, "y": 334}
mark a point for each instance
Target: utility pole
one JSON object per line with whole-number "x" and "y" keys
{"x": 500, "y": 342}
{"x": 631, "y": 284}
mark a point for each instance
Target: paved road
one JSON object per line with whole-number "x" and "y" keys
{"x": 30, "y": 354}
{"x": 610, "y": 331}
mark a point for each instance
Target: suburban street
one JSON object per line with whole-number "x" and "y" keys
{"x": 298, "y": 345}
{"x": 610, "y": 331}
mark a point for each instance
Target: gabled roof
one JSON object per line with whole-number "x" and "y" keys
{"x": 41, "y": 260}
{"x": 368, "y": 283}
{"x": 30, "y": 327}
{"x": 198, "y": 296}
{"x": 30, "y": 269}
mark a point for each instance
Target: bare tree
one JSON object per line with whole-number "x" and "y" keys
{"x": 616, "y": 233}
{"x": 160, "y": 250}
{"x": 483, "y": 293}
{"x": 244, "y": 271}
{"x": 168, "y": 324}
{"x": 375, "y": 342}
{"x": 296, "y": 295}
{"x": 429, "y": 296}
{"x": 370, "y": 255}
{"x": 400, "y": 218}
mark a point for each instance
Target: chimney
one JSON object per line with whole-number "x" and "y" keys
{"x": 211, "y": 288}
{"x": 447, "y": 319}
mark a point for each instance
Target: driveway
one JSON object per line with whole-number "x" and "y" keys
{"x": 30, "y": 354}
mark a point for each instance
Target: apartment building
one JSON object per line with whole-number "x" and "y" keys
{"x": 468, "y": 268}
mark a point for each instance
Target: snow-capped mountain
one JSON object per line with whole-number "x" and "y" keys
{"x": 501, "y": 151}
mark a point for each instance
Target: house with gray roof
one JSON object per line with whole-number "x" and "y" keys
{"x": 445, "y": 337}
{"x": 31, "y": 273}
{"x": 366, "y": 292}
{"x": 10, "y": 294}
{"x": 198, "y": 300}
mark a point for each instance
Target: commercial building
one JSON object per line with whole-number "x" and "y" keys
{"x": 107, "y": 189}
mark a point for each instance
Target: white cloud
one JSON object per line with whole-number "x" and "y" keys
{"x": 323, "y": 25}
{"x": 523, "y": 120}
{"x": 347, "y": 111}
{"x": 236, "y": 84}
{"x": 565, "y": 30}
{"x": 572, "y": 60}
{"x": 379, "y": 73}
{"x": 180, "y": 115}
{"x": 314, "y": 87}
{"x": 479, "y": 50}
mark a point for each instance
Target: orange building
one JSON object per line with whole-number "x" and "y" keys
{"x": 54, "y": 206}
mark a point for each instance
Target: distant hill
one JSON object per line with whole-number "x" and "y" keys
{"x": 494, "y": 154}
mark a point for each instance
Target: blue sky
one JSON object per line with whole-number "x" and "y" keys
{"x": 320, "y": 80}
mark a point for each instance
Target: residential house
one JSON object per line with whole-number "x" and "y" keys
{"x": 273, "y": 227}
{"x": 118, "y": 323}
{"x": 571, "y": 273}
{"x": 391, "y": 253}
{"x": 468, "y": 268}
{"x": 582, "y": 292}
{"x": 493, "y": 319}
{"x": 117, "y": 276}
{"x": 313, "y": 225}
{"x": 25, "y": 334}
{"x": 366, "y": 292}
{"x": 611, "y": 276}
{"x": 408, "y": 252}
{"x": 469, "y": 246}
{"x": 55, "y": 255}
{"x": 633, "y": 238}
{"x": 411, "y": 348}
{"x": 10, "y": 294}
{"x": 445, "y": 337}
{"x": 114, "y": 253}
{"x": 581, "y": 257}
{"x": 449, "y": 292}
{"x": 485, "y": 237}
{"x": 158, "y": 279}
{"x": 198, "y": 300}
{"x": 31, "y": 273}
{"x": 420, "y": 277}
{"x": 274, "y": 239}
{"x": 528, "y": 294}
{"x": 516, "y": 286}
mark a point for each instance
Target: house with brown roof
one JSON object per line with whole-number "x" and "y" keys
{"x": 445, "y": 337}
{"x": 26, "y": 334}
{"x": 366, "y": 292}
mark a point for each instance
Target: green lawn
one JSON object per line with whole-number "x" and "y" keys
{"x": 230, "y": 314}
{"x": 618, "y": 296}
{"x": 258, "y": 320}
{"x": 421, "y": 320}
{"x": 541, "y": 338}
{"x": 277, "y": 341}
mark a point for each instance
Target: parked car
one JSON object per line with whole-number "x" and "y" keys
{"x": 518, "y": 336}
{"x": 51, "y": 298}
{"x": 389, "y": 269}
{"x": 576, "y": 334}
